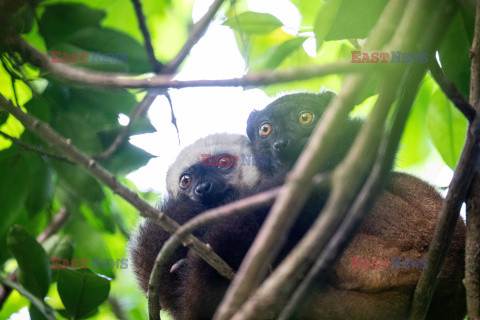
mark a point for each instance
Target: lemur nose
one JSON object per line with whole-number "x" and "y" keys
{"x": 203, "y": 188}
{"x": 280, "y": 145}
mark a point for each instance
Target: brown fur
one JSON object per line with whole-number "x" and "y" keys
{"x": 400, "y": 224}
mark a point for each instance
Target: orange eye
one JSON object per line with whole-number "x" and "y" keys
{"x": 265, "y": 129}
{"x": 305, "y": 117}
{"x": 185, "y": 180}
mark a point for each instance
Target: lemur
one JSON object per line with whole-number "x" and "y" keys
{"x": 400, "y": 225}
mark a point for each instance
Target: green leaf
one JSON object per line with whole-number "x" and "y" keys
{"x": 3, "y": 117}
{"x": 355, "y": 19}
{"x": 42, "y": 191}
{"x": 60, "y": 20}
{"x": 35, "y": 314}
{"x": 59, "y": 246}
{"x": 33, "y": 262}
{"x": 81, "y": 291}
{"x": 75, "y": 28}
{"x": 324, "y": 20}
{"x": 14, "y": 170}
{"x": 454, "y": 54}
{"x": 101, "y": 109}
{"x": 447, "y": 128}
{"x": 415, "y": 146}
{"x": 254, "y": 23}
{"x": 78, "y": 184}
{"x": 23, "y": 19}
{"x": 127, "y": 159}
{"x": 284, "y": 50}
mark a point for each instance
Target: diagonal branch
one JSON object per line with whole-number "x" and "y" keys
{"x": 451, "y": 91}
{"x": 139, "y": 111}
{"x": 50, "y": 136}
{"x": 447, "y": 221}
{"x": 156, "y": 65}
{"x": 27, "y": 147}
{"x": 472, "y": 246}
{"x": 196, "y": 33}
{"x": 44, "y": 308}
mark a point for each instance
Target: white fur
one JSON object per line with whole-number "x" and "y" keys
{"x": 215, "y": 144}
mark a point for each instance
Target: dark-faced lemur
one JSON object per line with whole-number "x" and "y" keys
{"x": 400, "y": 224}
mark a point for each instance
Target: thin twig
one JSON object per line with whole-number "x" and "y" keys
{"x": 196, "y": 33}
{"x": 116, "y": 308}
{"x": 172, "y": 115}
{"x": 451, "y": 91}
{"x": 139, "y": 111}
{"x": 156, "y": 65}
{"x": 64, "y": 72}
{"x": 53, "y": 227}
{"x": 34, "y": 149}
{"x": 44, "y": 308}
{"x": 50, "y": 136}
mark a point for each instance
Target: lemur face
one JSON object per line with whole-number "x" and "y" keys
{"x": 210, "y": 180}
{"x": 210, "y": 171}
{"x": 282, "y": 129}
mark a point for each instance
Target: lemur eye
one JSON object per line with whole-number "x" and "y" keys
{"x": 305, "y": 117}
{"x": 225, "y": 162}
{"x": 185, "y": 180}
{"x": 265, "y": 129}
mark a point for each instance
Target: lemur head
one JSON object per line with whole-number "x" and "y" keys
{"x": 282, "y": 129}
{"x": 211, "y": 171}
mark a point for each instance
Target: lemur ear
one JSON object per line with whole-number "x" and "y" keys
{"x": 251, "y": 125}
{"x": 328, "y": 94}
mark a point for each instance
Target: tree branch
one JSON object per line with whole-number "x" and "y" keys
{"x": 64, "y": 72}
{"x": 53, "y": 227}
{"x": 47, "y": 134}
{"x": 472, "y": 247}
{"x": 447, "y": 221}
{"x": 139, "y": 111}
{"x": 117, "y": 308}
{"x": 156, "y": 65}
{"x": 195, "y": 34}
{"x": 27, "y": 147}
{"x": 451, "y": 91}
{"x": 44, "y": 308}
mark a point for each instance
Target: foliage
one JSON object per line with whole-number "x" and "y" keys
{"x": 34, "y": 187}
